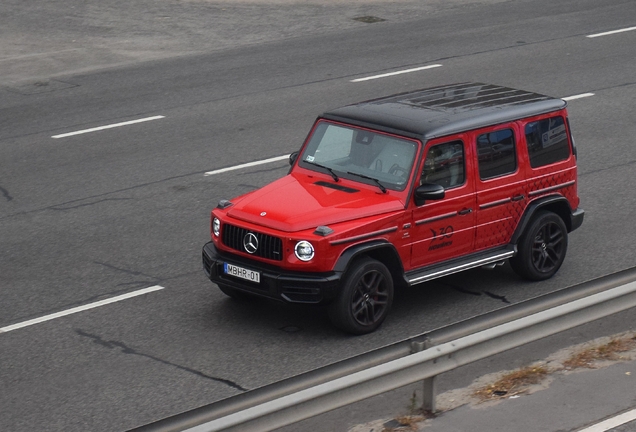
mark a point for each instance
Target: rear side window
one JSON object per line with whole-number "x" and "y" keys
{"x": 496, "y": 153}
{"x": 547, "y": 141}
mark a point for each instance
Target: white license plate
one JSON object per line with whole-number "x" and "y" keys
{"x": 241, "y": 272}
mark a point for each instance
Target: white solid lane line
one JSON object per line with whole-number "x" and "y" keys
{"x": 247, "y": 165}
{"x": 396, "y": 73}
{"x": 79, "y": 309}
{"x": 612, "y": 423}
{"x": 612, "y": 32}
{"x": 579, "y": 96}
{"x": 64, "y": 135}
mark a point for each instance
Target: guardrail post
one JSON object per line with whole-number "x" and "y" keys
{"x": 430, "y": 389}
{"x": 430, "y": 384}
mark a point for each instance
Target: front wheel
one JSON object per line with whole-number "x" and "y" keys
{"x": 542, "y": 248}
{"x": 365, "y": 297}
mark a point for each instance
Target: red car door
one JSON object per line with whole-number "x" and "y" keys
{"x": 444, "y": 229}
{"x": 500, "y": 185}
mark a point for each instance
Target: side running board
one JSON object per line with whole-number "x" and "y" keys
{"x": 457, "y": 265}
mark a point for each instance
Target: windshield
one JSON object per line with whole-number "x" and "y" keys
{"x": 360, "y": 155}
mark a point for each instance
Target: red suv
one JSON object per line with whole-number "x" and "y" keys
{"x": 400, "y": 190}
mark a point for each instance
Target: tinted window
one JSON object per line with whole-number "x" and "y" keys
{"x": 496, "y": 153}
{"x": 444, "y": 165}
{"x": 547, "y": 141}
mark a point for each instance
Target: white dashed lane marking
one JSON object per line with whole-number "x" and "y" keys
{"x": 612, "y": 423}
{"x": 396, "y": 73}
{"x": 110, "y": 126}
{"x": 579, "y": 96}
{"x": 79, "y": 309}
{"x": 247, "y": 165}
{"x": 612, "y": 32}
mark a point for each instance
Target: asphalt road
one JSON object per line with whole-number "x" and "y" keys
{"x": 92, "y": 216}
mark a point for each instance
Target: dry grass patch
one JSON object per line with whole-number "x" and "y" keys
{"x": 609, "y": 351}
{"x": 512, "y": 383}
{"x": 404, "y": 423}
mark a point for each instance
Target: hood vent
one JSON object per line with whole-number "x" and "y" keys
{"x": 336, "y": 187}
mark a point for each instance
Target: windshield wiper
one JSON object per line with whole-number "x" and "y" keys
{"x": 333, "y": 174}
{"x": 382, "y": 188}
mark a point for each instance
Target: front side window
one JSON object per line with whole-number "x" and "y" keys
{"x": 547, "y": 141}
{"x": 496, "y": 153}
{"x": 360, "y": 155}
{"x": 444, "y": 165}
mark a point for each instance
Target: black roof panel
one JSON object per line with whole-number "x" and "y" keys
{"x": 444, "y": 110}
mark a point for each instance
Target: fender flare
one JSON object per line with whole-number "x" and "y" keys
{"x": 558, "y": 202}
{"x": 373, "y": 248}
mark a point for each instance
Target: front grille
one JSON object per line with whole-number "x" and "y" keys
{"x": 268, "y": 247}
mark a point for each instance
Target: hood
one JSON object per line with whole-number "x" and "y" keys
{"x": 299, "y": 202}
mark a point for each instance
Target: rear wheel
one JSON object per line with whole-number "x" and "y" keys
{"x": 365, "y": 297}
{"x": 542, "y": 247}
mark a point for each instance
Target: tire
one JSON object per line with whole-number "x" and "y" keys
{"x": 365, "y": 297}
{"x": 234, "y": 293}
{"x": 542, "y": 247}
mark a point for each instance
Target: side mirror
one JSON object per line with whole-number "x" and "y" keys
{"x": 428, "y": 191}
{"x": 293, "y": 157}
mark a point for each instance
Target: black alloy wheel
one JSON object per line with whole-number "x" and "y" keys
{"x": 365, "y": 299}
{"x": 542, "y": 248}
{"x": 547, "y": 250}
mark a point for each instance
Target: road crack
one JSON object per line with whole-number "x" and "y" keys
{"x": 125, "y": 349}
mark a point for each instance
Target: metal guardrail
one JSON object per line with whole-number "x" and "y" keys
{"x": 421, "y": 357}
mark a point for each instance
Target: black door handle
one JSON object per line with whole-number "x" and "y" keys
{"x": 465, "y": 211}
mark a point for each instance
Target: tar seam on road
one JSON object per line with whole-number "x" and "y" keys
{"x": 5, "y": 194}
{"x": 127, "y": 350}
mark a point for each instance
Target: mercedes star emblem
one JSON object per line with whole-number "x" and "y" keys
{"x": 250, "y": 243}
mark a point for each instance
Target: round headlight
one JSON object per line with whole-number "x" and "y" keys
{"x": 304, "y": 250}
{"x": 216, "y": 227}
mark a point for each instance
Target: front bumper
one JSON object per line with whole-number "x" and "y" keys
{"x": 275, "y": 283}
